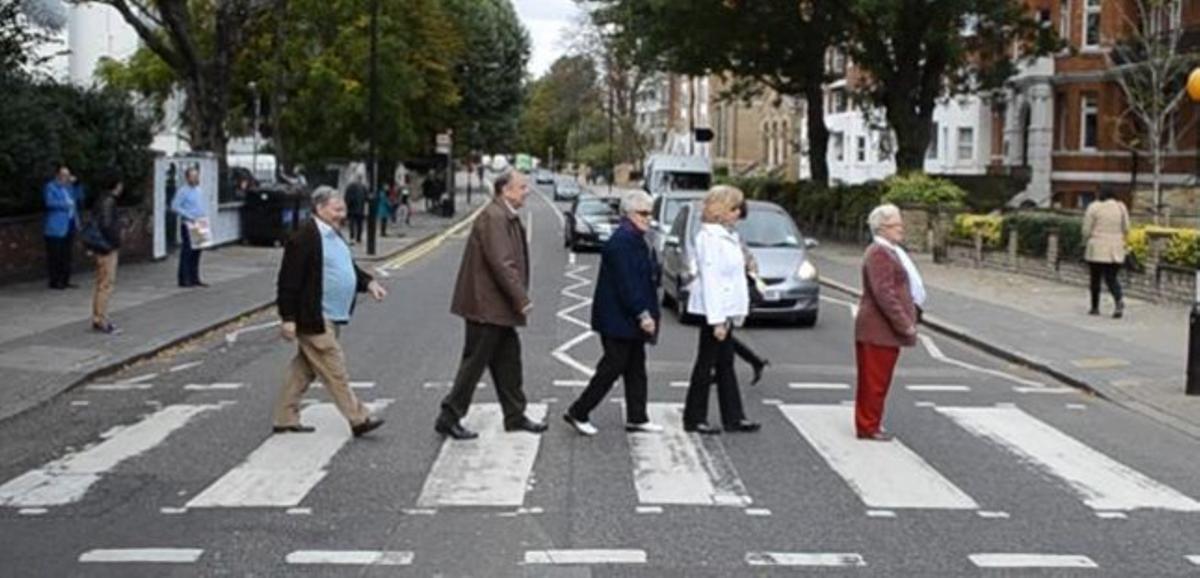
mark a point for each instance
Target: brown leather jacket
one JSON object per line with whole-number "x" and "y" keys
{"x": 887, "y": 315}
{"x": 493, "y": 280}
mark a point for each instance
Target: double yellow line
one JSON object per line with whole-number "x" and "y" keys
{"x": 428, "y": 245}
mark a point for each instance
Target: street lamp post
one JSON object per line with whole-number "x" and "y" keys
{"x": 254, "y": 153}
{"x": 1193, "y": 359}
{"x": 372, "y": 106}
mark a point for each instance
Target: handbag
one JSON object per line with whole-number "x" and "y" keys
{"x": 94, "y": 240}
{"x": 199, "y": 233}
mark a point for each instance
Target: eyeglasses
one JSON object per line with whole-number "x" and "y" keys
{"x": 643, "y": 213}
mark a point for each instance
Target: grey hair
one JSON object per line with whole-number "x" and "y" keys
{"x": 323, "y": 194}
{"x": 879, "y": 215}
{"x": 502, "y": 181}
{"x": 636, "y": 201}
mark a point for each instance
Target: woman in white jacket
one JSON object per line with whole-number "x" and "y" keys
{"x": 719, "y": 296}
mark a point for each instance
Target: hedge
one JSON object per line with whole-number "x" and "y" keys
{"x": 1033, "y": 231}
{"x": 1182, "y": 250}
{"x": 992, "y": 227}
{"x": 917, "y": 188}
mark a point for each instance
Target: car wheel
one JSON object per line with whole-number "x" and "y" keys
{"x": 807, "y": 319}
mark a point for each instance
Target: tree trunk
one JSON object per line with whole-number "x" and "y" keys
{"x": 279, "y": 88}
{"x": 818, "y": 133}
{"x": 911, "y": 126}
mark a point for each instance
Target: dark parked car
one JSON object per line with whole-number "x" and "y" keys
{"x": 792, "y": 282}
{"x": 566, "y": 189}
{"x": 590, "y": 221}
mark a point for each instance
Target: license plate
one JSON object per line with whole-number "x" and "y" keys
{"x": 771, "y": 295}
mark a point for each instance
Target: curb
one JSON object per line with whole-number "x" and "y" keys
{"x": 117, "y": 364}
{"x": 964, "y": 336}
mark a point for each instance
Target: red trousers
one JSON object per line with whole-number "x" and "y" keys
{"x": 876, "y": 364}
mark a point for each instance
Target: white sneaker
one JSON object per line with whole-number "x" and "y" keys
{"x": 583, "y": 427}
{"x": 644, "y": 427}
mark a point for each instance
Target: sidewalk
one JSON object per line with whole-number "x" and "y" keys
{"x": 1138, "y": 362}
{"x": 47, "y": 345}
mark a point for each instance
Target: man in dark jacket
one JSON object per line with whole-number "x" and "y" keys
{"x": 318, "y": 282}
{"x": 492, "y": 296}
{"x": 356, "y": 208}
{"x": 625, "y": 313}
{"x": 105, "y": 214}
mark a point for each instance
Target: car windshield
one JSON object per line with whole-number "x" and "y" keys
{"x": 684, "y": 181}
{"x": 768, "y": 229}
{"x": 596, "y": 208}
{"x": 672, "y": 209}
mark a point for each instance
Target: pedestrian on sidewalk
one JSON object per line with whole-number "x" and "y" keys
{"x": 383, "y": 209}
{"x": 887, "y": 318}
{"x": 1105, "y": 225}
{"x": 317, "y": 287}
{"x": 189, "y": 205}
{"x": 356, "y": 208}
{"x": 62, "y": 196}
{"x": 721, "y": 296}
{"x": 492, "y": 296}
{"x": 406, "y": 199}
{"x": 104, "y": 213}
{"x": 625, "y": 313}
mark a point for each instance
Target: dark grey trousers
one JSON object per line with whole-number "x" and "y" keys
{"x": 497, "y": 349}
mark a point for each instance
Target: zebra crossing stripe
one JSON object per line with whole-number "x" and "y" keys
{"x": 675, "y": 467}
{"x": 804, "y": 559}
{"x": 151, "y": 555}
{"x": 351, "y": 557}
{"x": 281, "y": 471}
{"x": 1101, "y": 482}
{"x": 491, "y": 470}
{"x": 613, "y": 556}
{"x": 1031, "y": 561}
{"x": 910, "y": 481}
{"x": 67, "y": 479}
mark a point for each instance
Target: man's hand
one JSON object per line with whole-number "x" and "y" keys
{"x": 721, "y": 332}
{"x": 377, "y": 291}
{"x": 648, "y": 326}
{"x": 527, "y": 308}
{"x": 288, "y": 330}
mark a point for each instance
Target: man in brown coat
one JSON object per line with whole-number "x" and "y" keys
{"x": 492, "y": 297}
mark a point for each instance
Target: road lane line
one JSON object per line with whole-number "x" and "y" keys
{"x": 819, "y": 386}
{"x": 937, "y": 388}
{"x": 119, "y": 386}
{"x": 212, "y": 386}
{"x": 803, "y": 559}
{"x": 910, "y": 481}
{"x": 585, "y": 556}
{"x": 676, "y": 467}
{"x": 351, "y": 557}
{"x": 570, "y": 383}
{"x": 67, "y": 479}
{"x": 151, "y": 555}
{"x": 185, "y": 366}
{"x": 1031, "y": 561}
{"x": 1101, "y": 482}
{"x": 492, "y": 470}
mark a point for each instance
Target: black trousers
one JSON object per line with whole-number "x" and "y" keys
{"x": 743, "y": 351}
{"x": 356, "y": 227}
{"x": 623, "y": 358}
{"x": 189, "y": 259}
{"x": 713, "y": 356}
{"x": 58, "y": 259}
{"x": 1109, "y": 273}
{"x": 497, "y": 349}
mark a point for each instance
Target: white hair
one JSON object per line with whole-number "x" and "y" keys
{"x": 636, "y": 201}
{"x": 879, "y": 215}
{"x": 323, "y": 194}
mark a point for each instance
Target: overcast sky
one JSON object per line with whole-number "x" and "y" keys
{"x": 546, "y": 20}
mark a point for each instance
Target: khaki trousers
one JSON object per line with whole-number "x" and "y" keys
{"x": 318, "y": 356}
{"x": 106, "y": 278}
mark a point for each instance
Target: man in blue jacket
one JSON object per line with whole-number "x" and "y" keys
{"x": 62, "y": 197}
{"x": 189, "y": 205}
{"x": 625, "y": 313}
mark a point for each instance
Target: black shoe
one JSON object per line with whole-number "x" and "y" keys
{"x": 1119, "y": 312}
{"x": 361, "y": 429}
{"x": 1093, "y": 311}
{"x": 454, "y": 430}
{"x": 106, "y": 328}
{"x": 186, "y": 285}
{"x": 70, "y": 286}
{"x": 528, "y": 425}
{"x": 702, "y": 428}
{"x": 293, "y": 429}
{"x": 200, "y": 284}
{"x": 744, "y": 426}
{"x": 758, "y": 371}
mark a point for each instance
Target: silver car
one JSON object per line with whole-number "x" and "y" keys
{"x": 792, "y": 291}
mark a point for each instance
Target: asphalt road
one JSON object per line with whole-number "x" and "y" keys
{"x": 995, "y": 467}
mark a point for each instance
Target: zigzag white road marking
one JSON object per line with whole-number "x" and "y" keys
{"x": 561, "y": 353}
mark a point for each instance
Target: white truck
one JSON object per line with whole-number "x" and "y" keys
{"x": 673, "y": 181}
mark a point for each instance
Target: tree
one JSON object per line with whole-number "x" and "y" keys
{"x": 557, "y": 105}
{"x": 914, "y": 52}
{"x": 20, "y": 32}
{"x": 1151, "y": 67}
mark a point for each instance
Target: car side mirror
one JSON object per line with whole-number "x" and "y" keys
{"x": 811, "y": 243}
{"x": 671, "y": 241}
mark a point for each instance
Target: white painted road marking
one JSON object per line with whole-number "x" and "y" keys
{"x": 585, "y": 557}
{"x": 492, "y": 470}
{"x": 937, "y": 388}
{"x": 1031, "y": 561}
{"x": 1046, "y": 390}
{"x": 803, "y": 559}
{"x": 67, "y": 479}
{"x": 119, "y": 386}
{"x": 819, "y": 386}
{"x": 152, "y": 555}
{"x": 281, "y": 471}
{"x": 910, "y": 481}
{"x": 1101, "y": 482}
{"x": 351, "y": 557}
{"x": 226, "y": 386}
{"x": 353, "y": 384}
{"x": 676, "y": 467}
{"x": 185, "y": 366}
{"x": 570, "y": 383}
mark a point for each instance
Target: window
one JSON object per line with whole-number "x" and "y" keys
{"x": 966, "y": 143}
{"x": 860, "y": 149}
{"x": 931, "y": 152}
{"x": 839, "y": 146}
{"x": 1091, "y": 23}
{"x": 1089, "y": 112}
{"x": 1064, "y": 19}
{"x": 839, "y": 101}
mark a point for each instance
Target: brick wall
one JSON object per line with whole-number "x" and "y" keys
{"x": 23, "y": 248}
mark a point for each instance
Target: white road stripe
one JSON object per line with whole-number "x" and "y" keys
{"x": 570, "y": 383}
{"x": 213, "y": 386}
{"x": 936, "y": 353}
{"x": 910, "y": 481}
{"x": 186, "y": 366}
{"x": 820, "y": 386}
{"x": 1101, "y": 482}
{"x": 353, "y": 384}
{"x": 67, "y": 479}
{"x": 1031, "y": 561}
{"x": 119, "y": 386}
{"x": 881, "y": 514}
{"x": 32, "y": 511}
{"x": 803, "y": 559}
{"x": 676, "y": 467}
{"x": 1046, "y": 390}
{"x": 992, "y": 515}
{"x": 937, "y": 388}
{"x": 152, "y": 555}
{"x": 492, "y": 470}
{"x": 1194, "y": 559}
{"x": 649, "y": 509}
{"x": 758, "y": 512}
{"x": 285, "y": 467}
{"x": 351, "y": 557}
{"x": 585, "y": 557}
{"x": 80, "y": 403}
{"x": 141, "y": 378}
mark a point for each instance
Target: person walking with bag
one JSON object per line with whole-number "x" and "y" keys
{"x": 1105, "y": 225}
{"x": 887, "y": 318}
{"x": 62, "y": 196}
{"x": 107, "y": 223}
{"x": 189, "y": 205}
{"x": 625, "y": 313}
{"x": 721, "y": 297}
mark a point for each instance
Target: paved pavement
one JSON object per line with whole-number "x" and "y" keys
{"x": 996, "y": 467}
{"x": 1138, "y": 361}
{"x": 47, "y": 345}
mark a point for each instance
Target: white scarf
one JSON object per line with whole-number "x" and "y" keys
{"x": 916, "y": 286}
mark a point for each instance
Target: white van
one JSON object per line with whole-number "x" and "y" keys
{"x": 673, "y": 181}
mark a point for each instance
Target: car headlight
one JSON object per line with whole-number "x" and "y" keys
{"x": 807, "y": 271}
